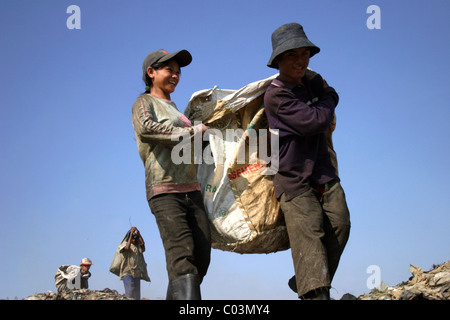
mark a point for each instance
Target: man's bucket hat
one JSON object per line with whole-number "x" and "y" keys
{"x": 287, "y": 37}
{"x": 183, "y": 57}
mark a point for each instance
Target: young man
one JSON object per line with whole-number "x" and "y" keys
{"x": 301, "y": 106}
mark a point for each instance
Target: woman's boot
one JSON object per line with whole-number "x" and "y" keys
{"x": 185, "y": 287}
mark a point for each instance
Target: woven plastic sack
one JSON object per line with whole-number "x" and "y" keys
{"x": 237, "y": 187}
{"x": 64, "y": 276}
{"x": 117, "y": 261}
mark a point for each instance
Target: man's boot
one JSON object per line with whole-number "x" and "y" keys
{"x": 185, "y": 287}
{"x": 292, "y": 283}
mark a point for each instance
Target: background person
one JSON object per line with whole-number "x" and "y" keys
{"x": 133, "y": 267}
{"x": 73, "y": 277}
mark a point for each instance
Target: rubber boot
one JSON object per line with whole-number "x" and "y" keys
{"x": 185, "y": 287}
{"x": 292, "y": 283}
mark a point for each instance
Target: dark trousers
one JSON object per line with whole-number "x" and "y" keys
{"x": 184, "y": 230}
{"x": 318, "y": 226}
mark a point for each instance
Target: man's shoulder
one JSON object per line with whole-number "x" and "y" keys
{"x": 275, "y": 91}
{"x": 276, "y": 84}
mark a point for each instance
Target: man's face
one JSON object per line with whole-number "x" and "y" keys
{"x": 293, "y": 65}
{"x": 84, "y": 269}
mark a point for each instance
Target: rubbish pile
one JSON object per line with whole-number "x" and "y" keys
{"x": 423, "y": 285}
{"x": 82, "y": 294}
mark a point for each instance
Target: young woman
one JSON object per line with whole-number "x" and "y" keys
{"x": 173, "y": 191}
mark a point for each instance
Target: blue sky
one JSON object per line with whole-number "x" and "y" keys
{"x": 72, "y": 180}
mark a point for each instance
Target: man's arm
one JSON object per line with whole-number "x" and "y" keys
{"x": 299, "y": 118}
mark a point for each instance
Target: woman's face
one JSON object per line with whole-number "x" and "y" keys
{"x": 165, "y": 79}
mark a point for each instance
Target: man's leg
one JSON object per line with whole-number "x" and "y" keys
{"x": 304, "y": 222}
{"x": 336, "y": 224}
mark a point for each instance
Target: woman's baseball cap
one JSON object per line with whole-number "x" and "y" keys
{"x": 287, "y": 37}
{"x": 183, "y": 57}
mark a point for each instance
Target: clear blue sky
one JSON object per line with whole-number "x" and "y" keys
{"x": 71, "y": 177}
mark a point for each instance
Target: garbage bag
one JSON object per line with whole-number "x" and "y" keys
{"x": 116, "y": 262}
{"x": 235, "y": 171}
{"x": 65, "y": 275}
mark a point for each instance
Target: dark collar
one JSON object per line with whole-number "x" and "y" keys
{"x": 280, "y": 83}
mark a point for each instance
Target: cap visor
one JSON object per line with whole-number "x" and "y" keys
{"x": 183, "y": 57}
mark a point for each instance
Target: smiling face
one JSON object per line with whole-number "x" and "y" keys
{"x": 164, "y": 79}
{"x": 293, "y": 65}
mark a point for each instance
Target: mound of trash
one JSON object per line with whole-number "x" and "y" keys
{"x": 423, "y": 285}
{"x": 82, "y": 294}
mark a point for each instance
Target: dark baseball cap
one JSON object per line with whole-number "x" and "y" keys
{"x": 183, "y": 57}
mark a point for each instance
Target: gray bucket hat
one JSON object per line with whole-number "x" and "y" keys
{"x": 287, "y": 37}
{"x": 183, "y": 57}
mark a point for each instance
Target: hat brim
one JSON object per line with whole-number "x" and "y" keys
{"x": 182, "y": 57}
{"x": 289, "y": 45}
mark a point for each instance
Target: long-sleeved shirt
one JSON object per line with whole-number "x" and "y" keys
{"x": 302, "y": 117}
{"x": 133, "y": 262}
{"x": 156, "y": 122}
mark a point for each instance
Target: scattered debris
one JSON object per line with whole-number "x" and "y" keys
{"x": 82, "y": 294}
{"x": 423, "y": 285}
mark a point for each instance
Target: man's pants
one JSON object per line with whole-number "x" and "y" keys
{"x": 184, "y": 230}
{"x": 318, "y": 226}
{"x": 132, "y": 287}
